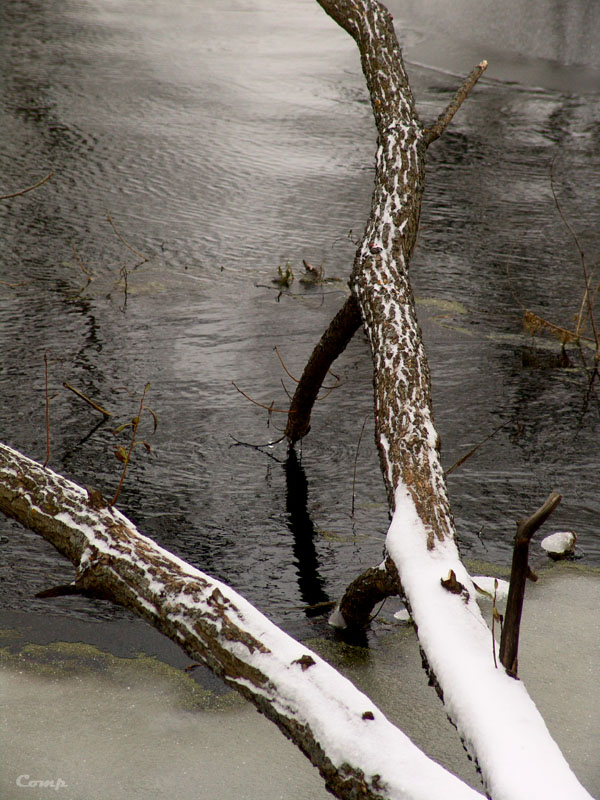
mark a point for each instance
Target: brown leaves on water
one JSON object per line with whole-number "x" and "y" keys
{"x": 533, "y": 323}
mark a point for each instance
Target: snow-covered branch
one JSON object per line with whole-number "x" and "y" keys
{"x": 498, "y": 722}
{"x": 359, "y": 753}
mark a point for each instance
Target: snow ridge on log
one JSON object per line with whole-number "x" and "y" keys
{"x": 497, "y": 720}
{"x": 358, "y": 751}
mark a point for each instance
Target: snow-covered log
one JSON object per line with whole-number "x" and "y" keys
{"x": 359, "y": 752}
{"x": 497, "y": 720}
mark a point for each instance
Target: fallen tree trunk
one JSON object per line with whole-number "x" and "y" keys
{"x": 359, "y": 753}
{"x": 499, "y": 724}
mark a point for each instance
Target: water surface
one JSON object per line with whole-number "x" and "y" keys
{"x": 227, "y": 140}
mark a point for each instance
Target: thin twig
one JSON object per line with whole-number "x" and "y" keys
{"x": 376, "y": 614}
{"x": 287, "y": 372}
{"x": 494, "y": 614}
{"x": 135, "y": 423}
{"x": 260, "y": 447}
{"x": 296, "y": 380}
{"x": 81, "y": 264}
{"x": 124, "y": 241}
{"x": 586, "y": 298}
{"x": 355, "y": 463}
{"x": 47, "y": 411}
{"x": 439, "y": 126}
{"x": 87, "y": 399}
{"x": 29, "y": 188}
{"x": 474, "y": 449}
{"x": 123, "y": 274}
{"x": 331, "y": 389}
{"x": 270, "y": 408}
{"x": 13, "y": 285}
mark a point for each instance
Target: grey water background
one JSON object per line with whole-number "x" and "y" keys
{"x": 228, "y": 139}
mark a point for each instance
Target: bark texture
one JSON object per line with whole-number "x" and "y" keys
{"x": 362, "y": 595}
{"x": 337, "y": 727}
{"x": 421, "y": 540}
{"x": 406, "y": 438}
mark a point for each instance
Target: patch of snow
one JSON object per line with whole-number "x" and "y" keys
{"x": 561, "y": 543}
{"x": 336, "y": 620}
{"x": 486, "y": 583}
{"x": 493, "y": 712}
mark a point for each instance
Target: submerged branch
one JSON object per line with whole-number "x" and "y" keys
{"x": 28, "y": 189}
{"x": 333, "y": 342}
{"x": 362, "y": 595}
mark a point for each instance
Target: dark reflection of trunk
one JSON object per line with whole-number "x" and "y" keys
{"x": 310, "y": 582}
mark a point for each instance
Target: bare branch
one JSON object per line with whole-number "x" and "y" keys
{"x": 124, "y": 241}
{"x": 509, "y": 643}
{"x": 587, "y": 299}
{"x": 86, "y": 399}
{"x": 333, "y": 342}
{"x": 473, "y": 450}
{"x": 439, "y": 126}
{"x": 29, "y": 188}
{"x": 363, "y": 594}
{"x": 270, "y": 408}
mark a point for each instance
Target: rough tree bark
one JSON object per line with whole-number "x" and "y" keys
{"x": 421, "y": 541}
{"x": 347, "y": 321}
{"x": 359, "y": 753}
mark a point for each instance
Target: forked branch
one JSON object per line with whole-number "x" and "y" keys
{"x": 509, "y": 642}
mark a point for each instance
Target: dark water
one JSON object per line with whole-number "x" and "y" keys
{"x": 226, "y": 140}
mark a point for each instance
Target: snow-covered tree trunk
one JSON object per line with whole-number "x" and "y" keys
{"x": 498, "y": 722}
{"x": 359, "y": 753}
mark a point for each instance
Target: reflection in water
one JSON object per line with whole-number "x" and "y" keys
{"x": 310, "y": 582}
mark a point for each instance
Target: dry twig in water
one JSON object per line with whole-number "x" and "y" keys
{"x": 29, "y": 188}
{"x": 84, "y": 397}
